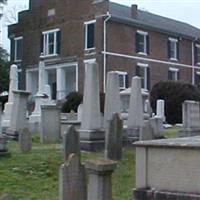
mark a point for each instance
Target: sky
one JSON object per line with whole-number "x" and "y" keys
{"x": 182, "y": 10}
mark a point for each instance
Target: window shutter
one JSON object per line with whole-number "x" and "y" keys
{"x": 178, "y": 50}
{"x": 195, "y": 54}
{"x": 178, "y": 75}
{"x": 58, "y": 38}
{"x": 168, "y": 48}
{"x": 137, "y": 71}
{"x": 148, "y": 45}
{"x": 127, "y": 81}
{"x": 12, "y": 49}
{"x": 137, "y": 42}
{"x": 148, "y": 79}
{"x": 169, "y": 75}
{"x": 41, "y": 44}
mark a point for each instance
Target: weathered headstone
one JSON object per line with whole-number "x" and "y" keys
{"x": 25, "y": 140}
{"x": 91, "y": 135}
{"x": 160, "y": 109}
{"x": 157, "y": 127}
{"x": 191, "y": 118}
{"x": 135, "y": 118}
{"x": 112, "y": 97}
{"x": 72, "y": 180}
{"x": 147, "y": 132}
{"x": 50, "y": 124}
{"x": 114, "y": 138}
{"x": 71, "y": 142}
{"x": 18, "y": 119}
{"x": 100, "y": 184}
{"x": 80, "y": 111}
{"x": 13, "y": 85}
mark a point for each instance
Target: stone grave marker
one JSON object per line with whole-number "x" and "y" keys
{"x": 25, "y": 140}
{"x": 114, "y": 138}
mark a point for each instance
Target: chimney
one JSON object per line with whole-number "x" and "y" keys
{"x": 134, "y": 10}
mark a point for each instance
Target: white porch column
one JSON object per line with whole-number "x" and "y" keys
{"x": 61, "y": 83}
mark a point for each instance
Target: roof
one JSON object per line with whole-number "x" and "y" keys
{"x": 150, "y": 20}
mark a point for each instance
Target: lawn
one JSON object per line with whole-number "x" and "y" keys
{"x": 34, "y": 176}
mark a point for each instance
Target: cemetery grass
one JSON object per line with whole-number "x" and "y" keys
{"x": 34, "y": 175}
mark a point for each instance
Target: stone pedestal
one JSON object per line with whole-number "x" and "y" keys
{"x": 50, "y": 124}
{"x": 25, "y": 141}
{"x": 91, "y": 135}
{"x": 100, "y": 184}
{"x": 167, "y": 169}
{"x": 18, "y": 119}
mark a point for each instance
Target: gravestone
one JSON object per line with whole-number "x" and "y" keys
{"x": 157, "y": 127}
{"x": 91, "y": 134}
{"x": 147, "y": 132}
{"x": 80, "y": 111}
{"x": 13, "y": 85}
{"x": 50, "y": 124}
{"x": 71, "y": 142}
{"x": 18, "y": 118}
{"x": 135, "y": 118}
{"x": 25, "y": 140}
{"x": 191, "y": 118}
{"x": 112, "y": 97}
{"x": 114, "y": 138}
{"x": 160, "y": 109}
{"x": 72, "y": 180}
{"x": 0, "y": 118}
{"x": 100, "y": 183}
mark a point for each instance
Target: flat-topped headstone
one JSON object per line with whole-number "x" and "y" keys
{"x": 147, "y": 132}
{"x": 18, "y": 119}
{"x": 100, "y": 184}
{"x": 50, "y": 124}
{"x": 112, "y": 96}
{"x": 71, "y": 142}
{"x": 25, "y": 140}
{"x": 114, "y": 138}
{"x": 72, "y": 180}
{"x": 157, "y": 127}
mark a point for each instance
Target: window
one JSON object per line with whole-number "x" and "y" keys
{"x": 142, "y": 42}
{"x": 18, "y": 49}
{"x": 50, "y": 43}
{"x": 197, "y": 53}
{"x": 143, "y": 71}
{"x": 173, "y": 50}
{"x": 173, "y": 74}
{"x": 197, "y": 79}
{"x": 89, "y": 34}
{"x": 123, "y": 80}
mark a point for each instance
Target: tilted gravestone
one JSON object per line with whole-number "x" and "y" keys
{"x": 114, "y": 138}
{"x": 25, "y": 140}
{"x": 71, "y": 142}
{"x": 72, "y": 180}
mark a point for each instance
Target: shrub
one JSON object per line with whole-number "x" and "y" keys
{"x": 73, "y": 100}
{"x": 174, "y": 94}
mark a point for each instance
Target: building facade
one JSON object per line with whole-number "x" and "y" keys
{"x": 68, "y": 33}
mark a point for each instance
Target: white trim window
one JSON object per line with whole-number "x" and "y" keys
{"x": 50, "y": 42}
{"x": 123, "y": 79}
{"x": 173, "y": 50}
{"x": 173, "y": 74}
{"x": 89, "y": 34}
{"x": 143, "y": 71}
{"x": 142, "y": 42}
{"x": 197, "y": 54}
{"x": 18, "y": 49}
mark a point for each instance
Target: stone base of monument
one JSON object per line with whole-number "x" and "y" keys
{"x": 131, "y": 134}
{"x": 11, "y": 134}
{"x": 188, "y": 132}
{"x": 3, "y": 145}
{"x": 92, "y": 140}
{"x": 148, "y": 194}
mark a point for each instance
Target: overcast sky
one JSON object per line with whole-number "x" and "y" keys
{"x": 183, "y": 10}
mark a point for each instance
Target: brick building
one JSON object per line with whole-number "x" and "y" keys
{"x": 68, "y": 33}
